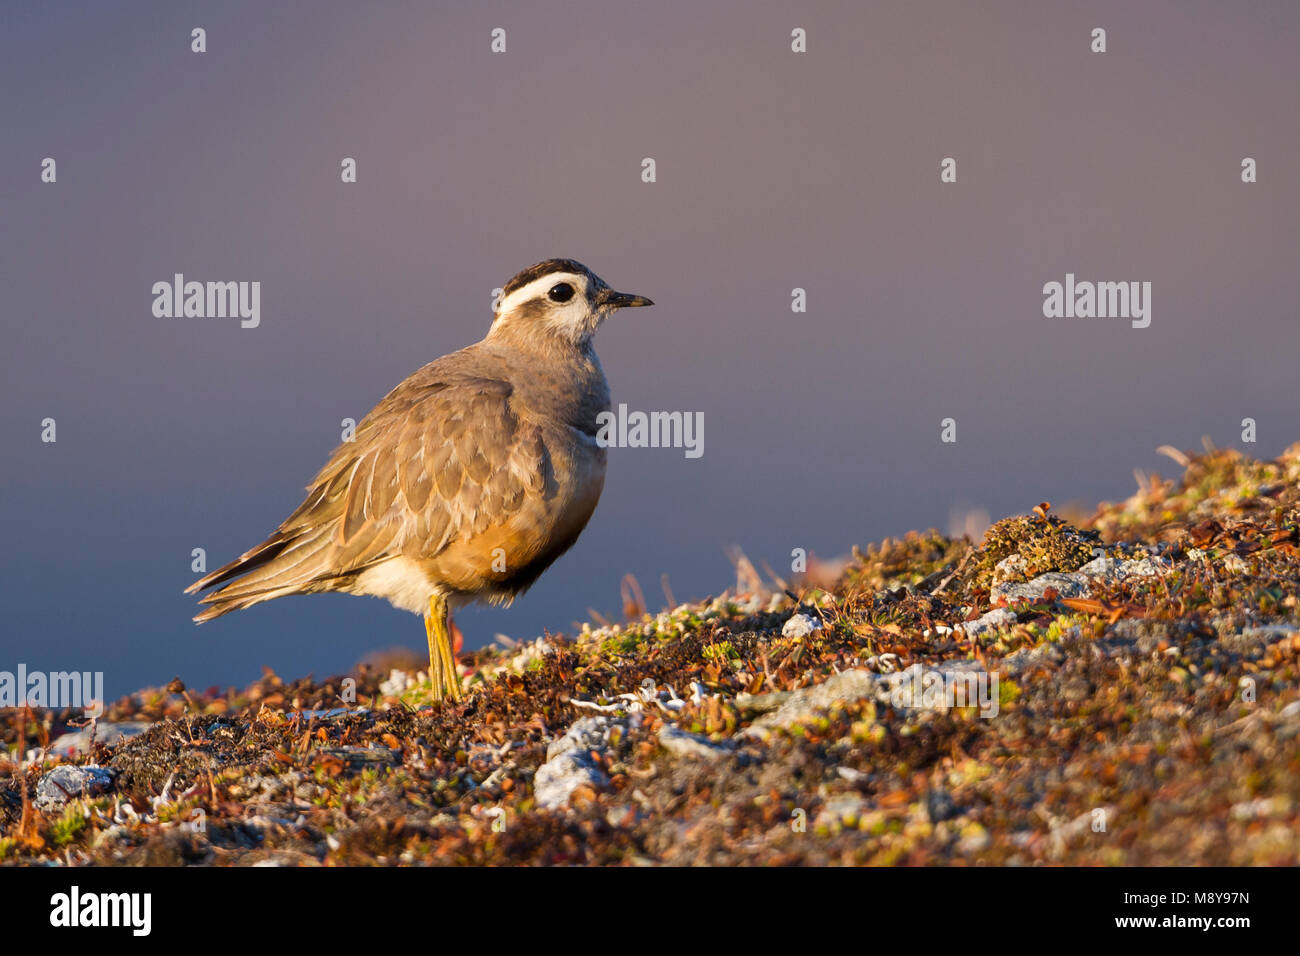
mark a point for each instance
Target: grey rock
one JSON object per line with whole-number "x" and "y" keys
{"x": 1010, "y": 568}
{"x": 1049, "y": 654}
{"x": 67, "y": 782}
{"x": 854, "y": 684}
{"x": 1067, "y": 584}
{"x": 1077, "y": 584}
{"x": 800, "y": 625}
{"x": 556, "y": 779}
{"x": 905, "y": 690}
{"x": 568, "y": 762}
{"x": 679, "y": 743}
{"x": 106, "y": 732}
{"x": 803, "y": 704}
{"x": 762, "y": 703}
{"x": 397, "y": 683}
{"x": 1113, "y": 569}
{"x": 994, "y": 619}
{"x": 587, "y": 733}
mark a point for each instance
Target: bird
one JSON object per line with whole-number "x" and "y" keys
{"x": 465, "y": 482}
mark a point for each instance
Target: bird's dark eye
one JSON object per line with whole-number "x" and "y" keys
{"x": 561, "y": 293}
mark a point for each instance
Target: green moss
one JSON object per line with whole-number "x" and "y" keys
{"x": 721, "y": 652}
{"x": 624, "y": 642}
{"x": 1007, "y": 692}
{"x": 67, "y": 827}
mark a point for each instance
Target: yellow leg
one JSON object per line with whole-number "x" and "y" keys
{"x": 442, "y": 665}
{"x": 435, "y": 655}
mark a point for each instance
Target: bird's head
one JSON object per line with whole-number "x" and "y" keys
{"x": 560, "y": 298}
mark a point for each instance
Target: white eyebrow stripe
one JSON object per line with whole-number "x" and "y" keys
{"x": 539, "y": 287}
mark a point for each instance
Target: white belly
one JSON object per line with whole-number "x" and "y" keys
{"x": 400, "y": 582}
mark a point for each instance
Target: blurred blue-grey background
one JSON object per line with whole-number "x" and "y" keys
{"x": 775, "y": 170}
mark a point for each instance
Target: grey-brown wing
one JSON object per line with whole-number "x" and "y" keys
{"x": 434, "y": 460}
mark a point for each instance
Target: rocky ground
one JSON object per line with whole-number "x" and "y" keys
{"x": 1123, "y": 691}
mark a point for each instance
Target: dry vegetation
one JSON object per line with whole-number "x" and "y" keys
{"x": 1155, "y": 694}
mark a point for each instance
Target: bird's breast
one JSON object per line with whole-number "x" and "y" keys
{"x": 507, "y": 556}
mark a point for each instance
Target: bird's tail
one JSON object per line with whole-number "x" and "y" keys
{"x": 281, "y": 565}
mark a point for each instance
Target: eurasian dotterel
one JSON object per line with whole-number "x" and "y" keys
{"x": 465, "y": 482}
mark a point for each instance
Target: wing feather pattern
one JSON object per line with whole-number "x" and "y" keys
{"x": 442, "y": 456}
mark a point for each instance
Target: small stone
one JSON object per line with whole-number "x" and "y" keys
{"x": 679, "y": 743}
{"x": 856, "y": 684}
{"x": 762, "y": 703}
{"x": 800, "y": 625}
{"x": 1047, "y": 655}
{"x": 1112, "y": 569}
{"x": 1010, "y": 569}
{"x": 906, "y": 689}
{"x": 67, "y": 782}
{"x": 994, "y": 619}
{"x": 804, "y": 703}
{"x": 1069, "y": 584}
{"x": 397, "y": 683}
{"x": 106, "y": 732}
{"x": 587, "y": 733}
{"x": 556, "y": 780}
{"x": 569, "y": 766}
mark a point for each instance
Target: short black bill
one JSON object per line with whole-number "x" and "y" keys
{"x": 621, "y": 300}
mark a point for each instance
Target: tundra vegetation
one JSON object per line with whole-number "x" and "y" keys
{"x": 1148, "y": 713}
